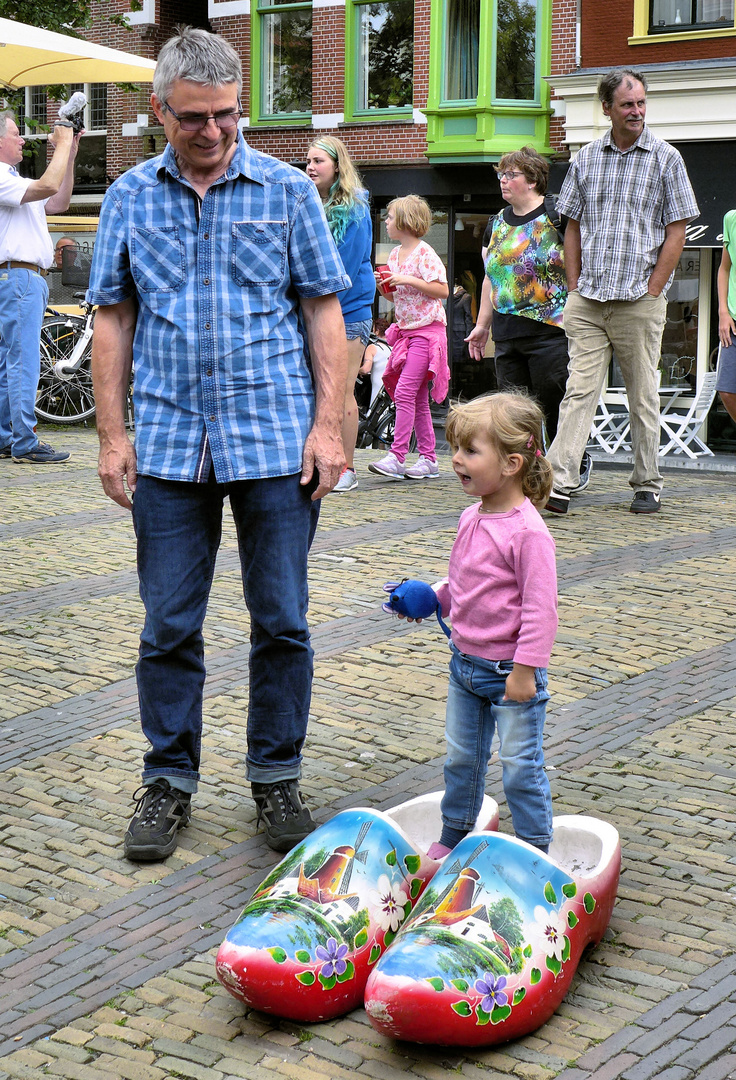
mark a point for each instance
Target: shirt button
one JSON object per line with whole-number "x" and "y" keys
{"x": 206, "y": 326}
{"x": 206, "y": 281}
{"x": 212, "y": 418}
{"x": 210, "y": 371}
{"x": 206, "y": 236}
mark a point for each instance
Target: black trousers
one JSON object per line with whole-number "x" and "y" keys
{"x": 537, "y": 364}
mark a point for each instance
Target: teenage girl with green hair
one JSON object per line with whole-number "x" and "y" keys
{"x": 345, "y": 201}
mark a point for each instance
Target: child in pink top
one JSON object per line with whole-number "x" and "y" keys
{"x": 501, "y": 596}
{"x": 418, "y": 338}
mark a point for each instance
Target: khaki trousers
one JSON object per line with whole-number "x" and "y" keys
{"x": 594, "y": 329}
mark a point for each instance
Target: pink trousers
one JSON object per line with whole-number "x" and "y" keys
{"x": 412, "y": 402}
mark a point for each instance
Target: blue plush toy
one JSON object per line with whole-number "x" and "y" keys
{"x": 415, "y": 599}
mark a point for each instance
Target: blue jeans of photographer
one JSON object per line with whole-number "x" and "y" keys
{"x": 475, "y": 712}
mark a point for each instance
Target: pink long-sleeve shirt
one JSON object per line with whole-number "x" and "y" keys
{"x": 501, "y": 589}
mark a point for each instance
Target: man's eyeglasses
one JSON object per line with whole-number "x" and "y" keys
{"x": 508, "y": 175}
{"x": 224, "y": 120}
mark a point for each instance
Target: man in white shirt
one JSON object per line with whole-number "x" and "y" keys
{"x": 26, "y": 253}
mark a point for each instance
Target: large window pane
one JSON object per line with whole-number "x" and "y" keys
{"x": 386, "y": 60}
{"x": 680, "y": 14}
{"x": 516, "y": 40}
{"x": 287, "y": 62}
{"x": 462, "y": 31}
{"x": 97, "y": 106}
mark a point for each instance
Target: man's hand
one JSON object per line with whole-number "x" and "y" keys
{"x": 116, "y": 468}
{"x": 520, "y": 684}
{"x": 323, "y": 453}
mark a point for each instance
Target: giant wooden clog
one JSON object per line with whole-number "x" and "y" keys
{"x": 306, "y": 941}
{"x": 489, "y": 951}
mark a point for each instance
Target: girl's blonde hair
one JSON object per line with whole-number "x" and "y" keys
{"x": 347, "y": 192}
{"x": 411, "y": 214}
{"x": 512, "y": 423}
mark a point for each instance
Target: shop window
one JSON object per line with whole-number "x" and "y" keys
{"x": 675, "y": 16}
{"x": 381, "y": 42}
{"x": 282, "y": 82}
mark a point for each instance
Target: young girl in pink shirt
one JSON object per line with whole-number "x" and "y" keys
{"x": 418, "y": 338}
{"x": 501, "y": 596}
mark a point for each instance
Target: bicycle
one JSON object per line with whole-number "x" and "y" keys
{"x": 65, "y": 394}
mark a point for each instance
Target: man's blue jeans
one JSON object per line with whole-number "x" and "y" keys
{"x": 23, "y": 298}
{"x": 475, "y": 710}
{"x": 178, "y": 527}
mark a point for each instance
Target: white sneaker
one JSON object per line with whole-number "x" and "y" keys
{"x": 347, "y": 482}
{"x": 388, "y": 466}
{"x": 423, "y": 470}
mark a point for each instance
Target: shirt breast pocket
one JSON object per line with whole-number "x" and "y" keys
{"x": 258, "y": 252}
{"x": 157, "y": 259}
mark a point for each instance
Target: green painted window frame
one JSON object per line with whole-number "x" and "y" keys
{"x": 492, "y": 118}
{"x": 352, "y": 73}
{"x": 257, "y": 117}
{"x": 487, "y": 55}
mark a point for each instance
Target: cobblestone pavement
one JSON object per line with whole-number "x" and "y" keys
{"x": 106, "y": 967}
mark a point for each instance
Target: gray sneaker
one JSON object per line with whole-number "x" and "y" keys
{"x": 347, "y": 482}
{"x": 41, "y": 454}
{"x": 160, "y": 812}
{"x": 281, "y": 808}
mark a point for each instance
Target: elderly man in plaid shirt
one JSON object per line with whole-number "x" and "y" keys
{"x": 628, "y": 200}
{"x": 214, "y": 269}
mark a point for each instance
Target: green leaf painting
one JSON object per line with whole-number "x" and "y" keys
{"x": 461, "y": 1008}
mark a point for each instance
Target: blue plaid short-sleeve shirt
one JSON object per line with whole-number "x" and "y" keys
{"x": 221, "y": 365}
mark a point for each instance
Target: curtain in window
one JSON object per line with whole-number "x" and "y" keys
{"x": 462, "y": 31}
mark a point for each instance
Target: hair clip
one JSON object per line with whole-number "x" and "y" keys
{"x": 538, "y": 453}
{"x": 530, "y": 443}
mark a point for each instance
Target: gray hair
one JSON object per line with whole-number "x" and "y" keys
{"x": 5, "y": 115}
{"x": 199, "y": 57}
{"x": 610, "y": 83}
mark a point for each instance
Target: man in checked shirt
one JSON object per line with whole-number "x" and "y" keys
{"x": 205, "y": 259}
{"x": 628, "y": 200}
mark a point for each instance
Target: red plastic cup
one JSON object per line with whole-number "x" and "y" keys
{"x": 384, "y": 275}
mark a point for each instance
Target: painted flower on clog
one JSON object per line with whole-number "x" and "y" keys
{"x": 334, "y": 958}
{"x": 493, "y": 991}
{"x": 389, "y": 900}
{"x": 549, "y": 931}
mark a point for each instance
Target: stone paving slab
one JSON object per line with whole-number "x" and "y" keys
{"x": 106, "y": 968}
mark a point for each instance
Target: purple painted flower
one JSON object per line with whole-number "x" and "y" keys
{"x": 492, "y": 989}
{"x": 334, "y": 957}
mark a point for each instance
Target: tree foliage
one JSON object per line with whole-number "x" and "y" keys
{"x": 59, "y": 15}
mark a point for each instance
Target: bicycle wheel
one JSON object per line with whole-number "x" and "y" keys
{"x": 64, "y": 401}
{"x": 383, "y": 435}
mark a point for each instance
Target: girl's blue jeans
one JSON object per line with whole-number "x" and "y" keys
{"x": 475, "y": 710}
{"x": 178, "y": 527}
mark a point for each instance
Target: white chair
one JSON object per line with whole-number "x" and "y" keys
{"x": 681, "y": 428}
{"x": 610, "y": 428}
